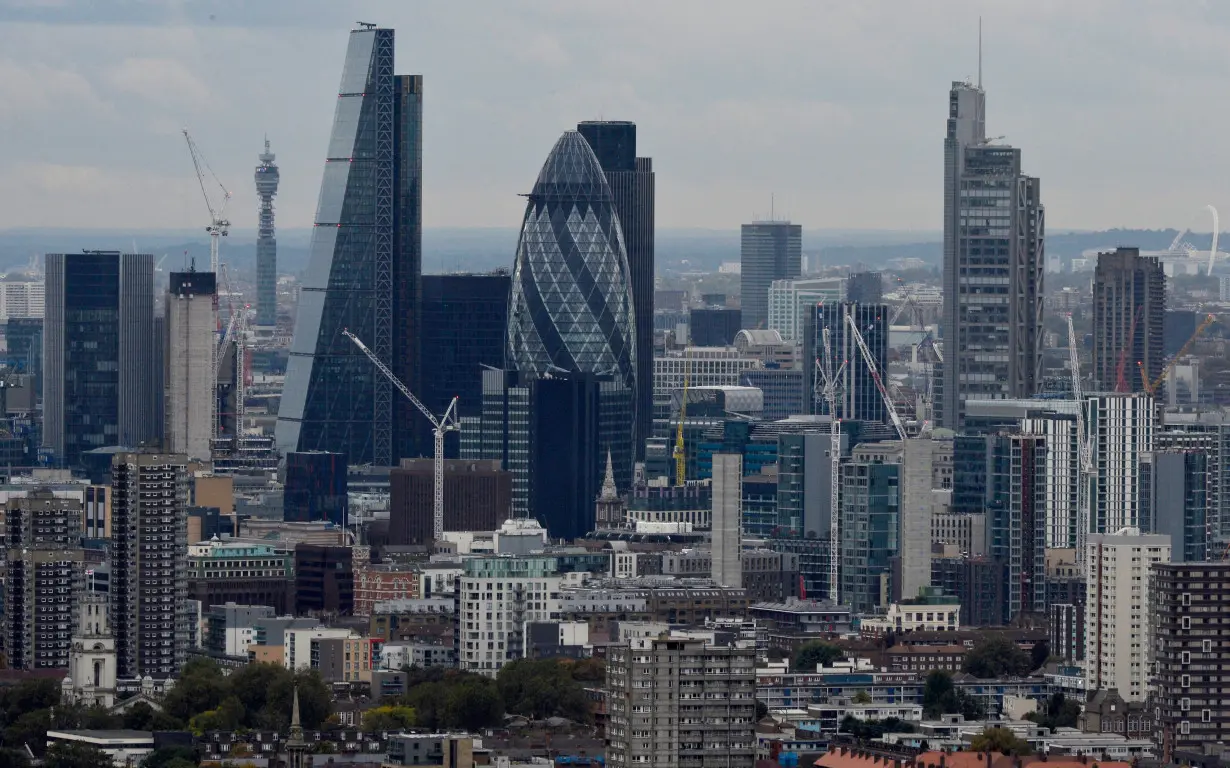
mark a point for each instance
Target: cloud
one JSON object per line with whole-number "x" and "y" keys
{"x": 159, "y": 80}
{"x": 37, "y": 91}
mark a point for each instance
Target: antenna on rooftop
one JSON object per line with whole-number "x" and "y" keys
{"x": 980, "y": 53}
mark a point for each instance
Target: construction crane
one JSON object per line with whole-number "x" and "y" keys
{"x": 875, "y": 373}
{"x": 681, "y": 459}
{"x": 1084, "y": 450}
{"x": 447, "y": 422}
{"x": 829, "y": 382}
{"x": 1151, "y": 386}
{"x": 219, "y": 225}
{"x": 219, "y": 356}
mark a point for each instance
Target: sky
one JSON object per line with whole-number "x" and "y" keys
{"x": 834, "y": 109}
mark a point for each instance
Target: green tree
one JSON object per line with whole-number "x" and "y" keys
{"x": 474, "y": 704}
{"x": 29, "y": 729}
{"x": 814, "y": 653}
{"x": 869, "y": 730}
{"x": 388, "y": 718}
{"x": 939, "y": 694}
{"x": 200, "y": 687}
{"x": 13, "y": 758}
{"x": 542, "y": 688}
{"x": 227, "y": 716}
{"x": 170, "y": 757}
{"x": 997, "y": 657}
{"x": 1039, "y": 654}
{"x": 1058, "y": 712}
{"x": 75, "y": 755}
{"x": 861, "y": 697}
{"x": 1000, "y": 740}
{"x": 143, "y": 717}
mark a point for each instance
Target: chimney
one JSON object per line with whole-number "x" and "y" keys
{"x": 941, "y": 760}
{"x": 988, "y": 758}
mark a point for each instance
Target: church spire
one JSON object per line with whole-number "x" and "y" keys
{"x": 608, "y": 483}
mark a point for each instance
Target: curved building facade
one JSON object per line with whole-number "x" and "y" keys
{"x": 571, "y": 307}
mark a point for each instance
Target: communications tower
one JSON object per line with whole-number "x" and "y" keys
{"x": 266, "y": 245}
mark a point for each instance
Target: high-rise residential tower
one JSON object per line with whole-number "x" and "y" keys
{"x": 631, "y": 180}
{"x": 149, "y": 563}
{"x": 99, "y": 382}
{"x": 191, "y": 387}
{"x": 364, "y": 270}
{"x": 266, "y": 244}
{"x": 770, "y": 250}
{"x": 1129, "y": 313}
{"x": 993, "y": 262}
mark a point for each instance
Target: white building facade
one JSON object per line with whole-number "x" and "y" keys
{"x": 1120, "y": 428}
{"x": 789, "y": 300}
{"x": 499, "y": 595}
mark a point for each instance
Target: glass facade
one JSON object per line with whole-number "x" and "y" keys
{"x": 869, "y": 532}
{"x": 859, "y": 397}
{"x": 316, "y": 488}
{"x": 769, "y": 250}
{"x": 571, "y": 307}
{"x": 363, "y": 271}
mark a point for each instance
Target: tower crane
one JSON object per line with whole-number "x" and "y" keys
{"x": 829, "y": 379}
{"x": 1084, "y": 450}
{"x": 445, "y": 423}
{"x": 1120, "y": 378}
{"x": 1151, "y": 386}
{"x": 219, "y": 355}
{"x": 875, "y": 374}
{"x": 681, "y": 459}
{"x": 219, "y": 225}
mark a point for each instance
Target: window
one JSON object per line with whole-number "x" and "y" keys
{"x": 1185, "y": 727}
{"x": 1187, "y": 598}
{"x": 1186, "y": 622}
{"x": 1185, "y": 704}
{"x": 1185, "y": 657}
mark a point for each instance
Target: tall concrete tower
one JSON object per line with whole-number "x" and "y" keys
{"x": 266, "y": 245}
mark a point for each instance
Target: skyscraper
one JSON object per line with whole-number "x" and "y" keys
{"x": 191, "y": 387}
{"x": 1120, "y": 429}
{"x": 266, "y": 245}
{"x": 770, "y": 250}
{"x": 858, "y": 396}
{"x": 1129, "y": 314}
{"x": 149, "y": 563}
{"x": 993, "y": 262}
{"x": 364, "y": 270}
{"x": 99, "y": 383}
{"x": 1016, "y": 508}
{"x": 571, "y": 322}
{"x": 631, "y": 180}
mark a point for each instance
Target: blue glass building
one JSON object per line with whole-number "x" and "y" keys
{"x": 363, "y": 271}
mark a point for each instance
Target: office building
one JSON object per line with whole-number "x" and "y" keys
{"x": 1062, "y": 479}
{"x": 865, "y": 288}
{"x": 915, "y": 512}
{"x": 316, "y": 488}
{"x": 978, "y": 584}
{"x": 324, "y": 579}
{"x": 477, "y": 497}
{"x": 99, "y": 352}
{"x": 1120, "y": 429}
{"x": 1016, "y": 519}
{"x": 702, "y": 367}
{"x": 266, "y": 242}
{"x": 769, "y": 250}
{"x": 464, "y": 318}
{"x": 994, "y": 227}
{"x": 149, "y": 563}
{"x": 869, "y": 528}
{"x": 22, "y": 298}
{"x": 247, "y": 573}
{"x": 790, "y": 301}
{"x": 23, "y": 337}
{"x": 1188, "y": 650}
{"x": 682, "y": 701}
{"x": 44, "y": 577}
{"x": 1129, "y": 313}
{"x": 783, "y": 388}
{"x": 727, "y": 519}
{"x": 190, "y": 346}
{"x": 231, "y": 627}
{"x": 514, "y": 591}
{"x": 631, "y": 180}
{"x": 713, "y": 326}
{"x": 967, "y": 532}
{"x": 1180, "y": 502}
{"x": 858, "y": 396}
{"x": 804, "y": 480}
{"x": 364, "y": 269}
{"x": 1117, "y": 612}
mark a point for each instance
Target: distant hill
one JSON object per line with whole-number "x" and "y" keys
{"x": 484, "y": 249}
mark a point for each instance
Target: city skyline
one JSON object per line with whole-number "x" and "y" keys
{"x": 789, "y": 118}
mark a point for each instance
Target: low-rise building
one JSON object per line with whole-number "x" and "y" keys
{"x": 242, "y": 572}
{"x": 913, "y": 617}
{"x": 804, "y": 617}
{"x": 123, "y": 747}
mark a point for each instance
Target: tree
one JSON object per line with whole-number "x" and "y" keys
{"x": 1058, "y": 712}
{"x": 170, "y": 757}
{"x": 143, "y": 717}
{"x": 542, "y": 688}
{"x": 200, "y": 687}
{"x": 815, "y": 653}
{"x": 388, "y": 718}
{"x": 1000, "y": 740}
{"x": 869, "y": 730}
{"x": 861, "y": 697}
{"x": 227, "y": 716}
{"x": 70, "y": 754}
{"x": 29, "y": 729}
{"x": 997, "y": 657}
{"x": 762, "y": 709}
{"x": 1039, "y": 654}
{"x": 941, "y": 696}
{"x": 474, "y": 705}
{"x": 13, "y": 758}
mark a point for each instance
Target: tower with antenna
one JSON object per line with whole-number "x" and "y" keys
{"x": 266, "y": 244}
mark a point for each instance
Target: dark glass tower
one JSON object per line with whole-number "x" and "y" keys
{"x": 631, "y": 180}
{"x": 464, "y": 319}
{"x": 266, "y": 245}
{"x": 364, "y": 270}
{"x": 99, "y": 386}
{"x": 859, "y": 397}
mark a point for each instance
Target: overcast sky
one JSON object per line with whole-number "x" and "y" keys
{"x": 835, "y": 106}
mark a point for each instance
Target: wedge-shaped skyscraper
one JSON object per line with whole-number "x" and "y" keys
{"x": 571, "y": 308}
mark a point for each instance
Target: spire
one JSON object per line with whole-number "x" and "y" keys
{"x": 294, "y": 711}
{"x": 608, "y": 483}
{"x": 296, "y": 728}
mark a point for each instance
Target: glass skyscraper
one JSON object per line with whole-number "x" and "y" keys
{"x": 101, "y": 385}
{"x": 364, "y": 270}
{"x": 769, "y": 250}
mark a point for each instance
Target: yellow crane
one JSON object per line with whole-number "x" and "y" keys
{"x": 681, "y": 460}
{"x": 1151, "y": 386}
